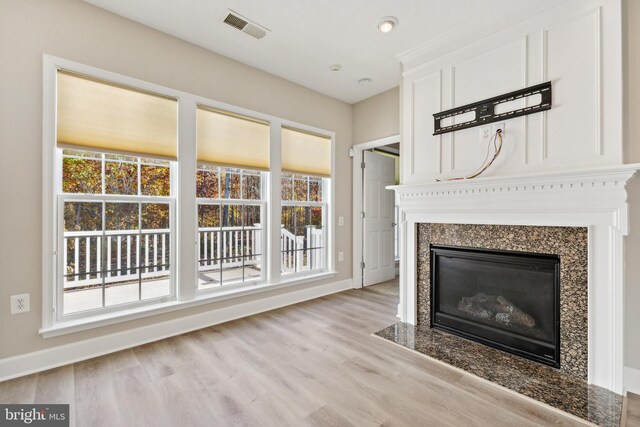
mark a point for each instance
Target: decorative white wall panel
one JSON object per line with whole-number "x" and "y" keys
{"x": 424, "y": 97}
{"x": 500, "y": 70}
{"x": 571, "y": 60}
{"x": 576, "y": 45}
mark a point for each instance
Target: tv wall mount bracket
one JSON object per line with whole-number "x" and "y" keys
{"x": 494, "y": 109}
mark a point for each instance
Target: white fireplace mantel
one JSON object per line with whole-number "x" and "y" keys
{"x": 594, "y": 198}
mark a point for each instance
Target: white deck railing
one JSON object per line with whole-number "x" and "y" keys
{"x": 296, "y": 256}
{"x": 131, "y": 254}
{"x": 122, "y": 259}
{"x": 228, "y": 246}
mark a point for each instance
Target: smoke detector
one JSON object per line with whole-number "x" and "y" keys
{"x": 247, "y": 26}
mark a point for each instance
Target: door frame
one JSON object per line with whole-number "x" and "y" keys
{"x": 358, "y": 223}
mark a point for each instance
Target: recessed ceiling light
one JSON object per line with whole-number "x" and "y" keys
{"x": 387, "y": 24}
{"x": 364, "y": 81}
{"x": 335, "y": 67}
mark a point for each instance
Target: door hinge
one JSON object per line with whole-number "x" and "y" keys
{"x": 362, "y": 214}
{"x": 362, "y": 265}
{"x": 362, "y": 165}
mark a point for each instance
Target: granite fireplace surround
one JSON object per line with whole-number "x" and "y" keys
{"x": 565, "y": 389}
{"x": 570, "y": 243}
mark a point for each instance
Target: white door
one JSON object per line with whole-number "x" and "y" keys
{"x": 378, "y": 226}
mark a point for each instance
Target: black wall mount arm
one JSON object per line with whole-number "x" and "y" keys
{"x": 484, "y": 112}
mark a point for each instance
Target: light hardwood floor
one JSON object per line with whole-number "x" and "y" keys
{"x": 310, "y": 364}
{"x": 633, "y": 410}
{"x": 390, "y": 287}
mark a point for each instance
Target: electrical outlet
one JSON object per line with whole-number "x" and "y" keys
{"x": 20, "y": 303}
{"x": 340, "y": 221}
{"x": 340, "y": 256}
{"x": 485, "y": 134}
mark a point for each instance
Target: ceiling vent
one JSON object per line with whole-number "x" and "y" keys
{"x": 245, "y": 25}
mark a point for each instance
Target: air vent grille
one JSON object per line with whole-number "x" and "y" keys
{"x": 245, "y": 25}
{"x": 235, "y": 21}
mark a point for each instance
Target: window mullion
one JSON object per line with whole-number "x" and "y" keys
{"x": 103, "y": 171}
{"x": 104, "y": 248}
{"x": 187, "y": 262}
{"x": 274, "y": 206}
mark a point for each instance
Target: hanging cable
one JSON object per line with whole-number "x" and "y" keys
{"x": 496, "y": 142}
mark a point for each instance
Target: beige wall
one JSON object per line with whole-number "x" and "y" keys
{"x": 80, "y": 32}
{"x": 631, "y": 51}
{"x": 377, "y": 117}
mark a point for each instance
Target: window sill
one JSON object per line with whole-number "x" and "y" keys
{"x": 207, "y": 297}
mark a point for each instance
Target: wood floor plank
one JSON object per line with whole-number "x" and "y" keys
{"x": 57, "y": 386}
{"x": 95, "y": 397}
{"x": 327, "y": 417}
{"x": 314, "y": 363}
{"x": 19, "y": 390}
{"x": 137, "y": 399}
{"x": 633, "y": 410}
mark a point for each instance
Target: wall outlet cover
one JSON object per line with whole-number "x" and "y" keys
{"x": 20, "y": 303}
{"x": 340, "y": 256}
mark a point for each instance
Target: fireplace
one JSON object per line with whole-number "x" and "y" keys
{"x": 506, "y": 299}
{"x": 582, "y": 216}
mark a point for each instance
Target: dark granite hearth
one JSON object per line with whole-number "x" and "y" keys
{"x": 544, "y": 384}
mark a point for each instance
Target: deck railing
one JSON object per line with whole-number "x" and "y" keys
{"x": 132, "y": 254}
{"x": 301, "y": 253}
{"x": 128, "y": 255}
{"x": 227, "y": 246}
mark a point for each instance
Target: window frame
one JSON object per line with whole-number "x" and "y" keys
{"x": 184, "y": 210}
{"x": 104, "y": 197}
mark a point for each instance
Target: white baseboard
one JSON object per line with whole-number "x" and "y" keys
{"x": 17, "y": 366}
{"x": 631, "y": 380}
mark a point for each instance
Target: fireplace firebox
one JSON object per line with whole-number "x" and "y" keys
{"x": 508, "y": 300}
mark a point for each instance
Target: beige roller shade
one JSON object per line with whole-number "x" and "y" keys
{"x": 97, "y": 115}
{"x": 306, "y": 153}
{"x": 227, "y": 139}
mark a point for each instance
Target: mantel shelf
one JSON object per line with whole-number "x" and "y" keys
{"x": 615, "y": 175}
{"x": 602, "y": 181}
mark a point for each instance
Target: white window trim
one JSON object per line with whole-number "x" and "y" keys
{"x": 104, "y": 319}
{"x": 185, "y": 268}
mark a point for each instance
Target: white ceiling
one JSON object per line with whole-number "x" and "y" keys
{"x": 307, "y": 36}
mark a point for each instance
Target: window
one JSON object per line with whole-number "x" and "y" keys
{"x": 115, "y": 211}
{"x": 154, "y": 201}
{"x": 230, "y": 226}
{"x": 306, "y": 160}
{"x": 116, "y": 230}
{"x": 231, "y": 230}
{"x": 303, "y": 235}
